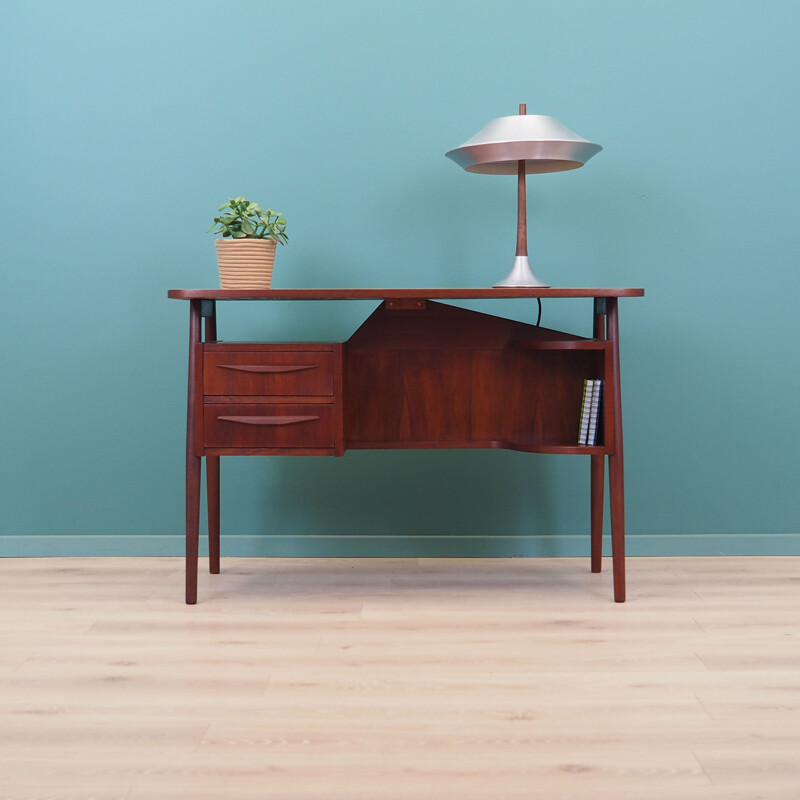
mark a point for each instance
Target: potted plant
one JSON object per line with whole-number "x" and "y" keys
{"x": 246, "y": 251}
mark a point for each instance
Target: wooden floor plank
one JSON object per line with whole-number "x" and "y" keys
{"x": 302, "y": 679}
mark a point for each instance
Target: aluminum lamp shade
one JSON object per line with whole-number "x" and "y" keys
{"x": 521, "y": 145}
{"x": 543, "y": 143}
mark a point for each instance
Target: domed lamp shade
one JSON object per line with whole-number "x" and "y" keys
{"x": 522, "y": 145}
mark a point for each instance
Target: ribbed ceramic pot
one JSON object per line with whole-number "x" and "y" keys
{"x": 245, "y": 263}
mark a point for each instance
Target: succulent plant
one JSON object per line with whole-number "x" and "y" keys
{"x": 245, "y": 220}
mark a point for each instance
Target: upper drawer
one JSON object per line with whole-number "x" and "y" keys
{"x": 268, "y": 372}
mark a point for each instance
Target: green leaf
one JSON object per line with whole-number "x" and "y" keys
{"x": 243, "y": 219}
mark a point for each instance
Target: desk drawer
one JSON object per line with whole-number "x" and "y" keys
{"x": 269, "y": 425}
{"x": 268, "y": 373}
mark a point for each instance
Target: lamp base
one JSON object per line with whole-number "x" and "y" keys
{"x": 521, "y": 275}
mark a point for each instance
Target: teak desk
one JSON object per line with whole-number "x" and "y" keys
{"x": 417, "y": 374}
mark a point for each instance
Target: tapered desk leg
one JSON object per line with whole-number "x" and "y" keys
{"x": 192, "y": 525}
{"x": 598, "y": 489}
{"x": 212, "y": 463}
{"x": 617, "y": 492}
{"x": 212, "y": 493}
{"x": 598, "y": 464}
{"x": 192, "y": 459}
{"x": 616, "y": 482}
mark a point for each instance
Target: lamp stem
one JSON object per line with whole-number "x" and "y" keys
{"x": 522, "y": 210}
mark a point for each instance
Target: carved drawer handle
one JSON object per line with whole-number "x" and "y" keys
{"x": 267, "y": 420}
{"x": 268, "y": 367}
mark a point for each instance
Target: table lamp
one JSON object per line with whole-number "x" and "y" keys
{"x": 519, "y": 145}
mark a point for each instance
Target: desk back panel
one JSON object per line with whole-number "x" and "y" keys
{"x": 443, "y": 376}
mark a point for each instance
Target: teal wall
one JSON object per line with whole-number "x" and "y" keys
{"x": 125, "y": 126}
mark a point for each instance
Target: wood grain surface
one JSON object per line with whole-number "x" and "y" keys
{"x": 408, "y": 294}
{"x": 450, "y": 375}
{"x": 399, "y": 678}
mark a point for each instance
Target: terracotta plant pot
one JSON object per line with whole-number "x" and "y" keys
{"x": 245, "y": 263}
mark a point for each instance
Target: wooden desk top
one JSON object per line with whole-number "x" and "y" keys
{"x": 387, "y": 294}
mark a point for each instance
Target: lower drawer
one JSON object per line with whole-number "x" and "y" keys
{"x": 268, "y": 425}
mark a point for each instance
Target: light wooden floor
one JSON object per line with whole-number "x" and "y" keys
{"x": 400, "y": 678}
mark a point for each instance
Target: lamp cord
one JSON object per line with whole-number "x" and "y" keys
{"x": 539, "y": 318}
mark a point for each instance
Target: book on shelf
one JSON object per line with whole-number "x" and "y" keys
{"x": 586, "y": 407}
{"x": 594, "y": 415}
{"x": 590, "y": 411}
